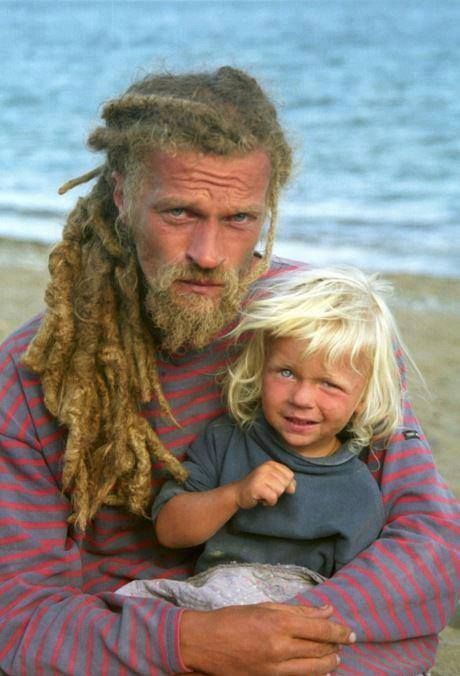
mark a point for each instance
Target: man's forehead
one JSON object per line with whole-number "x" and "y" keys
{"x": 167, "y": 161}
{"x": 187, "y": 174}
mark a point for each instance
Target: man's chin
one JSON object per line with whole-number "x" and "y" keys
{"x": 186, "y": 321}
{"x": 191, "y": 317}
{"x": 184, "y": 337}
{"x": 201, "y": 303}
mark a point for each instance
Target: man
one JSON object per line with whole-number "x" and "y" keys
{"x": 101, "y": 396}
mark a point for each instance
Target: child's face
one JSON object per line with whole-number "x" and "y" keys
{"x": 305, "y": 402}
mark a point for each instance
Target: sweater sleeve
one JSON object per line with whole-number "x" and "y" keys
{"x": 48, "y": 624}
{"x": 399, "y": 592}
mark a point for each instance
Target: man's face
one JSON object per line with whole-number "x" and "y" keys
{"x": 195, "y": 223}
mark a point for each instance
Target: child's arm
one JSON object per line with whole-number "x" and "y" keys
{"x": 192, "y": 518}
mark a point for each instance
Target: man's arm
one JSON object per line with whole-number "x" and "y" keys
{"x": 404, "y": 585}
{"x": 399, "y": 592}
{"x": 50, "y": 625}
{"x": 51, "y": 622}
{"x": 262, "y": 640}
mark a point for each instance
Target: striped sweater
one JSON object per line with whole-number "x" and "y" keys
{"x": 58, "y": 610}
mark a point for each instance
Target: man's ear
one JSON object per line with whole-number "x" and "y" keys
{"x": 118, "y": 191}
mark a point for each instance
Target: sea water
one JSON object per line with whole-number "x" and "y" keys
{"x": 368, "y": 90}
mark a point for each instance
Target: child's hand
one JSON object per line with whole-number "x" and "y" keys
{"x": 265, "y": 484}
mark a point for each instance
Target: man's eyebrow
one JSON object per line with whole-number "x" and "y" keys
{"x": 174, "y": 202}
{"x": 171, "y": 202}
{"x": 252, "y": 209}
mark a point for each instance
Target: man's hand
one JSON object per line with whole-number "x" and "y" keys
{"x": 264, "y": 484}
{"x": 262, "y": 640}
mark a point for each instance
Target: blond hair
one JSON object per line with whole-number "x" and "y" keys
{"x": 94, "y": 349}
{"x": 340, "y": 314}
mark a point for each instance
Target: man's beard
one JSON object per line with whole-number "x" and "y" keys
{"x": 189, "y": 320}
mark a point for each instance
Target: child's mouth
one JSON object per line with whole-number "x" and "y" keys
{"x": 300, "y": 422}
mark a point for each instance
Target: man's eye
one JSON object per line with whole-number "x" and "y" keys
{"x": 240, "y": 218}
{"x": 176, "y": 212}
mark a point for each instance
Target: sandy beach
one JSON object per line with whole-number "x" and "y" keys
{"x": 428, "y": 311}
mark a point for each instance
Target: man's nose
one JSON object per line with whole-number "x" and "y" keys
{"x": 205, "y": 247}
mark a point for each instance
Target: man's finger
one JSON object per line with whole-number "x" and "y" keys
{"x": 306, "y": 623}
{"x": 323, "y": 630}
{"x": 302, "y": 648}
{"x": 313, "y": 667}
{"x": 324, "y": 611}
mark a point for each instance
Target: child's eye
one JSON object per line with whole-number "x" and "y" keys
{"x": 286, "y": 373}
{"x": 330, "y": 385}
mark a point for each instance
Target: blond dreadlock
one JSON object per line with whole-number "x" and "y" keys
{"x": 93, "y": 350}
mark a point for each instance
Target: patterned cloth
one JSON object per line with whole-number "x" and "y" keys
{"x": 228, "y": 585}
{"x": 59, "y": 612}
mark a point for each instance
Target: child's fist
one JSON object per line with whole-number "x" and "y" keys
{"x": 265, "y": 485}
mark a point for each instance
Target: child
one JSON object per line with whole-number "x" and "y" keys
{"x": 280, "y": 482}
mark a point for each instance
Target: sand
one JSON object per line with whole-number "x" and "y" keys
{"x": 428, "y": 313}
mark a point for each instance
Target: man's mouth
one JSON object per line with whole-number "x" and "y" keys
{"x": 200, "y": 282}
{"x": 200, "y": 286}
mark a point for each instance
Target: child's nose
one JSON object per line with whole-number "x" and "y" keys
{"x": 303, "y": 395}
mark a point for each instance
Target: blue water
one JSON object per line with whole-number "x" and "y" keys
{"x": 369, "y": 91}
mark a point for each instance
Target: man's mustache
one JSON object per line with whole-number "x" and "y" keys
{"x": 193, "y": 273}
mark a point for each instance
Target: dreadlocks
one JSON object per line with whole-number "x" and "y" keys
{"x": 94, "y": 350}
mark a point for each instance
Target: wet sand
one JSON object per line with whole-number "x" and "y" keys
{"x": 428, "y": 312}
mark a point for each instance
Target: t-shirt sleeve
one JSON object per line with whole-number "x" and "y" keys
{"x": 203, "y": 464}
